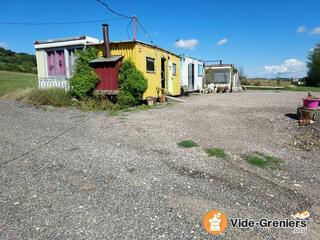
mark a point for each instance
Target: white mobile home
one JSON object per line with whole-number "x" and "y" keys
{"x": 56, "y": 58}
{"x": 192, "y": 74}
{"x": 225, "y": 77}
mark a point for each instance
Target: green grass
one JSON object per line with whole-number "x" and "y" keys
{"x": 262, "y": 160}
{"x": 288, "y": 88}
{"x": 54, "y": 96}
{"x": 302, "y": 88}
{"x": 216, "y": 152}
{"x": 11, "y": 81}
{"x": 60, "y": 98}
{"x": 187, "y": 144}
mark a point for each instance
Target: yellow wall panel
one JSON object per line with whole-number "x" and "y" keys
{"x": 138, "y": 52}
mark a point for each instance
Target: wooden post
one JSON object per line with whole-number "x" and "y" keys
{"x": 135, "y": 28}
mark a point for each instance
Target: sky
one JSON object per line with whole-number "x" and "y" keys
{"x": 266, "y": 38}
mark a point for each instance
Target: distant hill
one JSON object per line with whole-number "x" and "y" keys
{"x": 17, "y": 62}
{"x": 269, "y": 79}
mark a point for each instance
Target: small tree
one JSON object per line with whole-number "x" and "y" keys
{"x": 84, "y": 80}
{"x": 313, "y": 78}
{"x": 242, "y": 76}
{"x": 132, "y": 85}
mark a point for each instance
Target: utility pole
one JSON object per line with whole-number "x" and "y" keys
{"x": 135, "y": 28}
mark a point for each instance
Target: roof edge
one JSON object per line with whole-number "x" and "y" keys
{"x": 66, "y": 39}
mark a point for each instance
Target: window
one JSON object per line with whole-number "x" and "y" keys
{"x": 72, "y": 60}
{"x": 150, "y": 64}
{"x": 174, "y": 69}
{"x": 200, "y": 70}
{"x": 221, "y": 76}
{"x": 72, "y": 57}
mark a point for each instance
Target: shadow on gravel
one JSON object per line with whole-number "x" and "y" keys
{"x": 293, "y": 116}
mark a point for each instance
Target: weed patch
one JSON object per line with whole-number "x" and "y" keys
{"x": 187, "y": 144}
{"x": 216, "y": 152}
{"x": 97, "y": 104}
{"x": 262, "y": 160}
{"x": 54, "y": 96}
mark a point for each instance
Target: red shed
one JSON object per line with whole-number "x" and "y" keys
{"x": 108, "y": 71}
{"x": 107, "y": 67}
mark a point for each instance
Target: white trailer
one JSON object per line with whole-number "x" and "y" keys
{"x": 192, "y": 74}
{"x": 56, "y": 58}
{"x": 225, "y": 77}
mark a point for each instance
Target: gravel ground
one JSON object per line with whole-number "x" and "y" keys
{"x": 66, "y": 174}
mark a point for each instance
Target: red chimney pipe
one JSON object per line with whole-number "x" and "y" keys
{"x": 106, "y": 43}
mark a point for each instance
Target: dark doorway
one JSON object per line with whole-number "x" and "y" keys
{"x": 191, "y": 75}
{"x": 163, "y": 73}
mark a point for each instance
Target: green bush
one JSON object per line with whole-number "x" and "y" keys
{"x": 257, "y": 83}
{"x": 84, "y": 80}
{"x": 244, "y": 82}
{"x": 313, "y": 78}
{"x": 54, "y": 96}
{"x": 97, "y": 103}
{"x": 132, "y": 85}
{"x": 126, "y": 99}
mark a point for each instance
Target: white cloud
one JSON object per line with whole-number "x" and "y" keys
{"x": 4, "y": 45}
{"x": 222, "y": 41}
{"x": 301, "y": 29}
{"x": 186, "y": 44}
{"x": 315, "y": 31}
{"x": 290, "y": 66}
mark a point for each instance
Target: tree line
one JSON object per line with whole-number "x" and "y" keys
{"x": 17, "y": 62}
{"x": 313, "y": 78}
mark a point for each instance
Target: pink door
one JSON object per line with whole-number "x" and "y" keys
{"x": 56, "y": 63}
{"x": 60, "y": 64}
{"x": 51, "y": 64}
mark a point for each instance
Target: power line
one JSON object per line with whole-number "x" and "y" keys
{"x": 58, "y": 23}
{"x": 125, "y": 16}
{"x": 143, "y": 29}
{"x": 114, "y": 12}
{"x": 128, "y": 28}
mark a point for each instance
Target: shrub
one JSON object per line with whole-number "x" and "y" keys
{"x": 257, "y": 83}
{"x": 19, "y": 94}
{"x": 126, "y": 99}
{"x": 84, "y": 80}
{"x": 97, "y": 103}
{"x": 132, "y": 85}
{"x": 244, "y": 82}
{"x": 54, "y": 96}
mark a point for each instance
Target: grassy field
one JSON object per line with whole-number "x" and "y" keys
{"x": 302, "y": 88}
{"x": 288, "y": 88}
{"x": 10, "y": 81}
{"x": 262, "y": 84}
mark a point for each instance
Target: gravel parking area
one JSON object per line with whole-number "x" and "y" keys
{"x": 66, "y": 174}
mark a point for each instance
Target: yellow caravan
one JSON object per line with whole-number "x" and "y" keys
{"x": 159, "y": 66}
